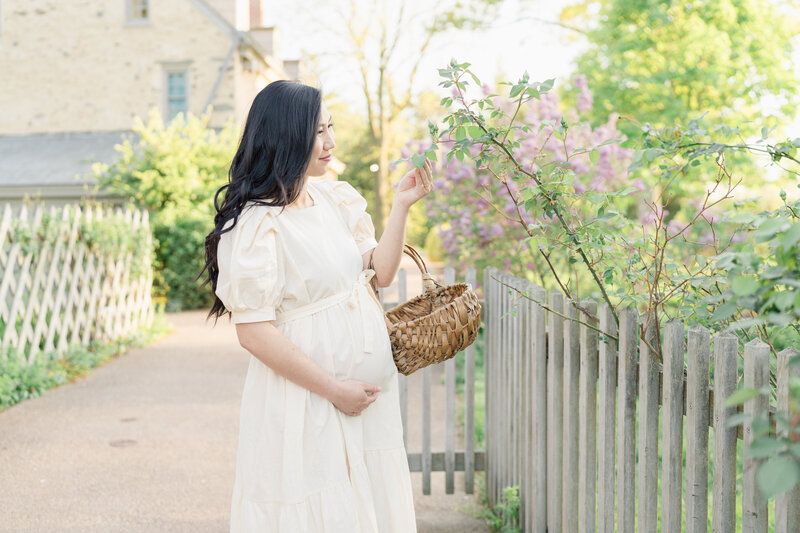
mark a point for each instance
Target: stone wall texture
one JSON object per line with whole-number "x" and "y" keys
{"x": 78, "y": 65}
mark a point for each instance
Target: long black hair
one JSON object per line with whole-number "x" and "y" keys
{"x": 270, "y": 164}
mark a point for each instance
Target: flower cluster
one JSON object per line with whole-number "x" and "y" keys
{"x": 476, "y": 218}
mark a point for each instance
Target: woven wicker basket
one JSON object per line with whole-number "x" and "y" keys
{"x": 434, "y": 326}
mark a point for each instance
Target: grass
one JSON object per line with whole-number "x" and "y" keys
{"x": 20, "y": 381}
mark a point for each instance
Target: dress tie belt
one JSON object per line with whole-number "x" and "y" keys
{"x": 360, "y": 295}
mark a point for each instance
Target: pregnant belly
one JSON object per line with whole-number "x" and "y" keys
{"x": 375, "y": 367}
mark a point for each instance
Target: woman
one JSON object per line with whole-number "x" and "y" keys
{"x": 320, "y": 436}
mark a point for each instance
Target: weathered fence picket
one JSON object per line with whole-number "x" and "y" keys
{"x": 697, "y": 421}
{"x": 597, "y": 385}
{"x": 469, "y": 406}
{"x": 787, "y": 505}
{"x": 587, "y": 440}
{"x": 672, "y": 428}
{"x": 724, "y": 500}
{"x": 626, "y": 419}
{"x": 606, "y": 404}
{"x": 555, "y": 409}
{"x": 450, "y": 407}
{"x": 756, "y": 375}
{"x": 569, "y": 516}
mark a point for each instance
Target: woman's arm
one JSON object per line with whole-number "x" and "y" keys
{"x": 274, "y": 349}
{"x": 386, "y": 256}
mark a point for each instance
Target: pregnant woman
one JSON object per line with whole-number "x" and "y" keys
{"x": 320, "y": 436}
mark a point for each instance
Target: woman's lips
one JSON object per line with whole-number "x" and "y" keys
{"x": 326, "y": 158}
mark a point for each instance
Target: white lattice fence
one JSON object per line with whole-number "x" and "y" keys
{"x": 72, "y": 275}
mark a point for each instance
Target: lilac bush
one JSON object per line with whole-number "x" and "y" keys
{"x": 475, "y": 215}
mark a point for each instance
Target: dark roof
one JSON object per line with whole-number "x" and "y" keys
{"x": 55, "y": 159}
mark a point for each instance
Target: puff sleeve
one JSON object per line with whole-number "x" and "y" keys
{"x": 353, "y": 207}
{"x": 250, "y": 281}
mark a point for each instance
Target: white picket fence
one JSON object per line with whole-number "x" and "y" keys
{"x": 561, "y": 420}
{"x": 62, "y": 291}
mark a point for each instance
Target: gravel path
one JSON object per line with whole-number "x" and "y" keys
{"x": 147, "y": 443}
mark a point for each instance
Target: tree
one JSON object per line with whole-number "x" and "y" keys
{"x": 376, "y": 33}
{"x": 661, "y": 61}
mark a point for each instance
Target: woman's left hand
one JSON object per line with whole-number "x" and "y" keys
{"x": 414, "y": 185}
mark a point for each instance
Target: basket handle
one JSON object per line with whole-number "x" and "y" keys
{"x": 428, "y": 283}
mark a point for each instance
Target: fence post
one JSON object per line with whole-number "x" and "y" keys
{"x": 555, "y": 409}
{"x": 450, "y": 408}
{"x": 648, "y": 430}
{"x": 571, "y": 412}
{"x": 491, "y": 331}
{"x": 587, "y": 453}
{"x": 607, "y": 393}
{"x": 756, "y": 375}
{"x": 426, "y": 430}
{"x": 697, "y": 406}
{"x": 469, "y": 397}
{"x": 538, "y": 514}
{"x": 505, "y": 378}
{"x": 626, "y": 419}
{"x": 787, "y": 505}
{"x": 672, "y": 428}
{"x": 724, "y": 498}
{"x": 527, "y": 457}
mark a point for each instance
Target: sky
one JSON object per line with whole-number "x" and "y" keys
{"x": 516, "y": 42}
{"x": 511, "y": 46}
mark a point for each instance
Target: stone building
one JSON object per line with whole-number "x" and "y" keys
{"x": 75, "y": 73}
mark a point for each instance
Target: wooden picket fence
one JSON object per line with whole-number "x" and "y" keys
{"x": 60, "y": 291}
{"x": 449, "y": 460}
{"x": 561, "y": 419}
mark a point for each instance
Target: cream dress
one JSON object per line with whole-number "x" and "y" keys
{"x": 302, "y": 465}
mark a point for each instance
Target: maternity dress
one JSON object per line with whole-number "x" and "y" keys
{"x": 302, "y": 465}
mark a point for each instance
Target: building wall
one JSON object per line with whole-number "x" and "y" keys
{"x": 236, "y": 12}
{"x": 75, "y": 65}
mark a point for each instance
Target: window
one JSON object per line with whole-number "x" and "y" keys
{"x": 138, "y": 11}
{"x": 177, "y": 97}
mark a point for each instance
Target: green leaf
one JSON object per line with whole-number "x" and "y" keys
{"x": 764, "y": 447}
{"x": 724, "y": 311}
{"x": 741, "y": 396}
{"x": 736, "y": 420}
{"x": 461, "y": 133}
{"x": 475, "y": 132}
{"x": 594, "y": 155}
{"x": 794, "y": 449}
{"x": 744, "y": 285}
{"x": 607, "y": 142}
{"x": 791, "y": 237}
{"x": 418, "y": 160}
{"x": 776, "y": 476}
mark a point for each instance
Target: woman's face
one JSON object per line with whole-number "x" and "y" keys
{"x": 323, "y": 146}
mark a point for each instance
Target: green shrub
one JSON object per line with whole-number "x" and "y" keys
{"x": 174, "y": 170}
{"x": 180, "y": 255}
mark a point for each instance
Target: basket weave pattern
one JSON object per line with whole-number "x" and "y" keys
{"x": 433, "y": 326}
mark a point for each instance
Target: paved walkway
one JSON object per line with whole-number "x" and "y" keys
{"x": 147, "y": 443}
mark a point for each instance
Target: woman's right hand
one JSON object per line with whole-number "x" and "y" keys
{"x": 353, "y": 396}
